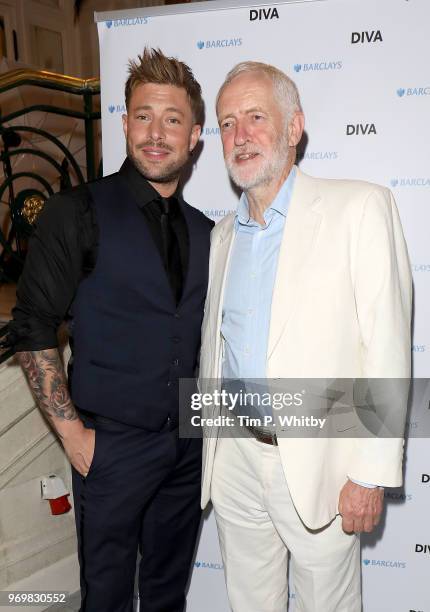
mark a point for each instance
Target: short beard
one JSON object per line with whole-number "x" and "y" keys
{"x": 270, "y": 168}
{"x": 169, "y": 174}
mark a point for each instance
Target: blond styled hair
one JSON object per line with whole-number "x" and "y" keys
{"x": 154, "y": 67}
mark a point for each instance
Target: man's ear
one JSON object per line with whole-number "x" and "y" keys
{"x": 124, "y": 124}
{"x": 296, "y": 127}
{"x": 196, "y": 130}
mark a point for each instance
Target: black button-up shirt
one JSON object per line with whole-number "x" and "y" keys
{"x": 63, "y": 249}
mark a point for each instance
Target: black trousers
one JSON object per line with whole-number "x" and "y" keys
{"x": 142, "y": 492}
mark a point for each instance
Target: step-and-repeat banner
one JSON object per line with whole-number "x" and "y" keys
{"x": 363, "y": 71}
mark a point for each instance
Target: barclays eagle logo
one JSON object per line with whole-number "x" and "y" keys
{"x": 111, "y": 108}
{"x": 387, "y": 563}
{"x": 108, "y": 24}
{"x": 317, "y": 66}
{"x": 220, "y": 43}
{"x": 400, "y": 92}
{"x": 420, "y": 181}
{"x": 208, "y": 565}
{"x": 416, "y": 91}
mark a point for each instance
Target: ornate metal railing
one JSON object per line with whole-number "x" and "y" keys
{"x": 24, "y": 205}
{"x": 5, "y": 352}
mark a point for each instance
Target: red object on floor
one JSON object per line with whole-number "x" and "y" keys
{"x": 60, "y": 505}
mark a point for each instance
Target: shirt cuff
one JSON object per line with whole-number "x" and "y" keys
{"x": 364, "y": 484}
{"x": 30, "y": 335}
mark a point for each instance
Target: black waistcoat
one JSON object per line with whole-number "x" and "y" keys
{"x": 131, "y": 343}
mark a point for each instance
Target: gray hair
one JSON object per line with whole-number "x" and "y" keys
{"x": 285, "y": 89}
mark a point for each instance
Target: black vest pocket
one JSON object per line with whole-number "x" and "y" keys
{"x": 115, "y": 367}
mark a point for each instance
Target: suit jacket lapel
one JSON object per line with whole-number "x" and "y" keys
{"x": 301, "y": 229}
{"x": 223, "y": 249}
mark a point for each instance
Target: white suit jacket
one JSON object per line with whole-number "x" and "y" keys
{"x": 341, "y": 308}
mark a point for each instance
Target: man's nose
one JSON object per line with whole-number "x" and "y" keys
{"x": 157, "y": 129}
{"x": 241, "y": 134}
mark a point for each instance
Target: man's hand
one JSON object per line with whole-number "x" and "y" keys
{"x": 360, "y": 507}
{"x": 79, "y": 449}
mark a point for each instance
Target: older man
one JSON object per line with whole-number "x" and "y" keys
{"x": 310, "y": 278}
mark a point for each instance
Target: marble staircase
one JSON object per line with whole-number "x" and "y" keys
{"x": 31, "y": 539}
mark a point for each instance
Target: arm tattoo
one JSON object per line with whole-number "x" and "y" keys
{"x": 45, "y": 374}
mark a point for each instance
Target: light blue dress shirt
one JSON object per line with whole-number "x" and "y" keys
{"x": 249, "y": 288}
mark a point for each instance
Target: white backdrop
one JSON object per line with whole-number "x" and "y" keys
{"x": 362, "y": 68}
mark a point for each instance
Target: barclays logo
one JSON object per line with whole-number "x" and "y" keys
{"x": 321, "y": 155}
{"x": 398, "y": 496}
{"x": 413, "y": 91}
{"x": 410, "y": 182}
{"x": 219, "y": 43}
{"x": 117, "y": 108}
{"x": 127, "y": 22}
{"x": 382, "y": 563}
{"x": 318, "y": 66}
{"x": 213, "y": 131}
{"x": 421, "y": 267}
{"x": 217, "y": 213}
{"x": 205, "y": 565}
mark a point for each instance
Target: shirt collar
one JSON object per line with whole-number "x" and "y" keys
{"x": 280, "y": 203}
{"x": 143, "y": 191}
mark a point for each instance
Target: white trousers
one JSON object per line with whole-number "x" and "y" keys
{"x": 258, "y": 525}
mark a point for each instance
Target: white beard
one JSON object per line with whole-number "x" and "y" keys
{"x": 270, "y": 167}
